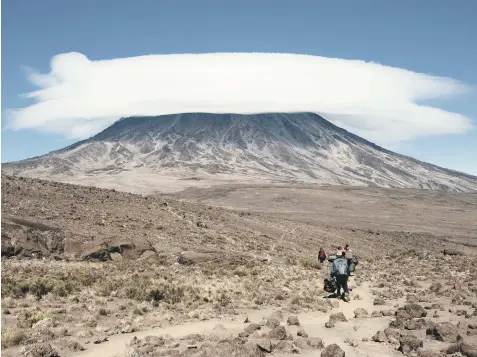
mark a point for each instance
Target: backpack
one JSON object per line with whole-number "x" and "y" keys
{"x": 341, "y": 266}
{"x": 352, "y": 265}
{"x": 330, "y": 285}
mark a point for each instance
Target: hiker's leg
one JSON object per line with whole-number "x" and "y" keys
{"x": 345, "y": 284}
{"x": 338, "y": 285}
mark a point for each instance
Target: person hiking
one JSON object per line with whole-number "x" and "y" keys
{"x": 321, "y": 255}
{"x": 339, "y": 271}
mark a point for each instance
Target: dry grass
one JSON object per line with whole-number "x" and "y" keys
{"x": 12, "y": 337}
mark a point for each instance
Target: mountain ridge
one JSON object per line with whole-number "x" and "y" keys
{"x": 282, "y": 147}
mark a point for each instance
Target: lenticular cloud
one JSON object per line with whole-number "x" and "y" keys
{"x": 79, "y": 97}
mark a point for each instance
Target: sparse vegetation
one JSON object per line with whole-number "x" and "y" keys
{"x": 74, "y": 298}
{"x": 12, "y": 337}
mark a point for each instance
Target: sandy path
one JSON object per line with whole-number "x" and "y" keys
{"x": 313, "y": 323}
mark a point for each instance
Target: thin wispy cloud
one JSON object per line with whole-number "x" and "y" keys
{"x": 79, "y": 97}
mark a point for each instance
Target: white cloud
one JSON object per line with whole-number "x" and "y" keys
{"x": 79, "y": 97}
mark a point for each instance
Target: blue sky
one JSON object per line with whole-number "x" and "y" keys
{"x": 433, "y": 37}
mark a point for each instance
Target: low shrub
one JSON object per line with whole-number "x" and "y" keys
{"x": 12, "y": 337}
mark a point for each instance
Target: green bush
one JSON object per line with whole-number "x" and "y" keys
{"x": 63, "y": 288}
{"x": 155, "y": 295}
{"x": 40, "y": 288}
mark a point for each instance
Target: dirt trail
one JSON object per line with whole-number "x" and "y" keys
{"x": 313, "y": 323}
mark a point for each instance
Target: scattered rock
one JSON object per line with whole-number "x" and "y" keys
{"x": 252, "y": 328}
{"x": 333, "y": 351}
{"x": 451, "y": 252}
{"x": 393, "y": 336}
{"x": 265, "y": 345}
{"x": 44, "y": 324}
{"x": 293, "y": 321}
{"x": 193, "y": 338}
{"x": 415, "y": 310}
{"x": 360, "y": 313}
{"x": 380, "y": 337}
{"x": 338, "y": 317}
{"x": 277, "y": 315}
{"x": 315, "y": 342}
{"x": 329, "y": 324}
{"x": 435, "y": 287}
{"x": 301, "y": 343}
{"x": 302, "y": 333}
{"x": 230, "y": 348}
{"x": 408, "y": 343}
{"x": 272, "y": 322}
{"x": 445, "y": 332}
{"x": 75, "y": 346}
{"x": 128, "y": 329}
{"x": 282, "y": 347}
{"x": 99, "y": 340}
{"x": 40, "y": 350}
{"x": 278, "y": 333}
{"x": 402, "y": 314}
{"x": 415, "y": 324}
{"x": 462, "y": 348}
{"x": 379, "y": 301}
{"x": 376, "y": 314}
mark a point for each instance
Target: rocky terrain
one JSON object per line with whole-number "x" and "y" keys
{"x": 96, "y": 272}
{"x": 172, "y": 152}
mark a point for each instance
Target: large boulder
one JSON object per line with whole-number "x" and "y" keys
{"x": 333, "y": 351}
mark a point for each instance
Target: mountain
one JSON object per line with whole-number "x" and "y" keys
{"x": 270, "y": 147}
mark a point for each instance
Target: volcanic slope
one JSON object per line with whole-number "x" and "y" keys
{"x": 172, "y": 152}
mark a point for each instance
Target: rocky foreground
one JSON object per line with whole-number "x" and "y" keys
{"x": 89, "y": 272}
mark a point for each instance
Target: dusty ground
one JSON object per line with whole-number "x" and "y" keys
{"x": 407, "y": 210}
{"x": 100, "y": 270}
